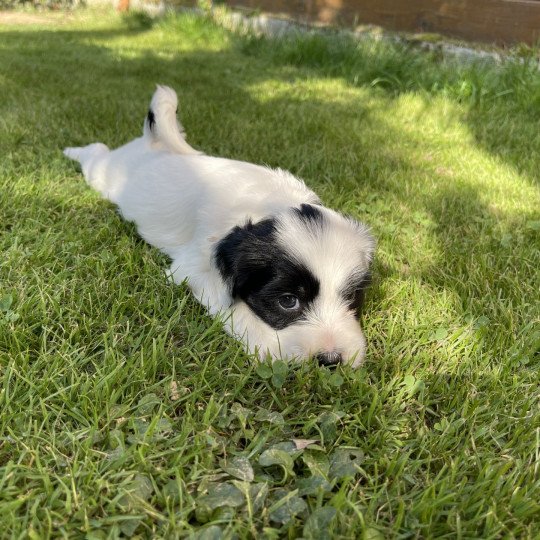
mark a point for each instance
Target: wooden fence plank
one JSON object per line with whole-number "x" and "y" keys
{"x": 500, "y": 21}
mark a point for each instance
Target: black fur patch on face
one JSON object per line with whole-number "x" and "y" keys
{"x": 260, "y": 272}
{"x": 151, "y": 119}
{"x": 307, "y": 212}
{"x": 354, "y": 292}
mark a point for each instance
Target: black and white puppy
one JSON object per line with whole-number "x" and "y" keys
{"x": 254, "y": 244}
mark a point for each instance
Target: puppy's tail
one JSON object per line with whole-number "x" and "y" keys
{"x": 161, "y": 127}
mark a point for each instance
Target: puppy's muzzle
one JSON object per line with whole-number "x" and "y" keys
{"x": 329, "y": 359}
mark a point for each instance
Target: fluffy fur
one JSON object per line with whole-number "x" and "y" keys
{"x": 254, "y": 244}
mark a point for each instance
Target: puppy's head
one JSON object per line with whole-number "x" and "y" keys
{"x": 297, "y": 282}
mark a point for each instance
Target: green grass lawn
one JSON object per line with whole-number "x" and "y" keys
{"x": 125, "y": 410}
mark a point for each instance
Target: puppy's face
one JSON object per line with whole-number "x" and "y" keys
{"x": 297, "y": 281}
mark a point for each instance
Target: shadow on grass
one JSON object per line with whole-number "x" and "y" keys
{"x": 502, "y": 101}
{"x": 68, "y": 88}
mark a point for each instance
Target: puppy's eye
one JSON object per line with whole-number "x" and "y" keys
{"x": 289, "y": 302}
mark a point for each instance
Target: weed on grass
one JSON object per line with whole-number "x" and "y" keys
{"x": 125, "y": 410}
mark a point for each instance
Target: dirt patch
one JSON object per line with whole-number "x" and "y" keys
{"x": 18, "y": 18}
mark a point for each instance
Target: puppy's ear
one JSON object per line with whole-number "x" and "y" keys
{"x": 366, "y": 242}
{"x": 244, "y": 257}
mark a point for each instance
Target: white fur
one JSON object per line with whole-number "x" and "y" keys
{"x": 184, "y": 202}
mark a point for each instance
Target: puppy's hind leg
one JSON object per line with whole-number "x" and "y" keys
{"x": 89, "y": 156}
{"x": 84, "y": 154}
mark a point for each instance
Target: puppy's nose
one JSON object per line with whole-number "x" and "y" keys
{"x": 329, "y": 359}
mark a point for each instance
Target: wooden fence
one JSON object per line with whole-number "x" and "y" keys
{"x": 498, "y": 21}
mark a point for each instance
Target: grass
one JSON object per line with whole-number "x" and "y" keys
{"x": 125, "y": 410}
